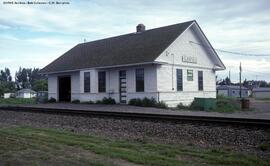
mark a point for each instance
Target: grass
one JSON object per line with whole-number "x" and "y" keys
{"x": 32, "y": 146}
{"x": 17, "y": 101}
{"x": 223, "y": 104}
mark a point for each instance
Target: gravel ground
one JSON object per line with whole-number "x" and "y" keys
{"x": 201, "y": 135}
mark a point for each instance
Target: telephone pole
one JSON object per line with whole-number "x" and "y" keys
{"x": 230, "y": 76}
{"x": 240, "y": 84}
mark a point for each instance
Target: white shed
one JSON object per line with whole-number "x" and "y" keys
{"x": 8, "y": 95}
{"x": 25, "y": 93}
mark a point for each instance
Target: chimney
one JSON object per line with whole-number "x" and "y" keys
{"x": 140, "y": 28}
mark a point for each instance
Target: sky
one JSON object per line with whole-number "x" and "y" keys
{"x": 35, "y": 35}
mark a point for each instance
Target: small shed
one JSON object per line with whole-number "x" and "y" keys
{"x": 26, "y": 93}
{"x": 231, "y": 91}
{"x": 8, "y": 95}
{"x": 261, "y": 93}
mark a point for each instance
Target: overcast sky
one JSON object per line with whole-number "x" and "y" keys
{"x": 35, "y": 35}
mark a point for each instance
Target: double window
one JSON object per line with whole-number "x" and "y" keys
{"x": 179, "y": 79}
{"x": 200, "y": 80}
{"x": 86, "y": 82}
{"x": 140, "y": 80}
{"x": 102, "y": 81}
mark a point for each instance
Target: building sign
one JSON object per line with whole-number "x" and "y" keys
{"x": 189, "y": 59}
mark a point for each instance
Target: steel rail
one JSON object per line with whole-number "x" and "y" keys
{"x": 262, "y": 123}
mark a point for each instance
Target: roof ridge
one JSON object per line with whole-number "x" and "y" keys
{"x": 132, "y": 33}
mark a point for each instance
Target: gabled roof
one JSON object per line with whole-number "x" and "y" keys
{"x": 131, "y": 48}
{"x": 261, "y": 90}
{"x": 25, "y": 91}
{"x": 234, "y": 87}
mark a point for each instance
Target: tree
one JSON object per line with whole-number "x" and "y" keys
{"x": 227, "y": 81}
{"x": 5, "y": 75}
{"x": 40, "y": 85}
{"x": 27, "y": 77}
{"x": 6, "y": 83}
{"x": 245, "y": 83}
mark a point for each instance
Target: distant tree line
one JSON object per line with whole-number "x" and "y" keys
{"x": 24, "y": 78}
{"x": 246, "y": 83}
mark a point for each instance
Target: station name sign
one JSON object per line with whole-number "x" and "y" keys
{"x": 189, "y": 59}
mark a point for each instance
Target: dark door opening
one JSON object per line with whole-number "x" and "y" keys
{"x": 64, "y": 88}
{"x": 123, "y": 86}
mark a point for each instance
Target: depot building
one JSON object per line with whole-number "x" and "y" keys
{"x": 173, "y": 64}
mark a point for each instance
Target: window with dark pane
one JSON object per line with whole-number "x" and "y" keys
{"x": 86, "y": 82}
{"x": 140, "y": 80}
{"x": 102, "y": 81}
{"x": 179, "y": 79}
{"x": 200, "y": 80}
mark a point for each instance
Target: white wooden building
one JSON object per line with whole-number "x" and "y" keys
{"x": 25, "y": 93}
{"x": 172, "y": 64}
{"x": 232, "y": 91}
{"x": 261, "y": 93}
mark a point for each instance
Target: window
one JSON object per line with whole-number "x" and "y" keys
{"x": 200, "y": 80}
{"x": 102, "y": 81}
{"x": 86, "y": 82}
{"x": 139, "y": 80}
{"x": 190, "y": 75}
{"x": 179, "y": 79}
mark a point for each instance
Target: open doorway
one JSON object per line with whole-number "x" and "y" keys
{"x": 64, "y": 88}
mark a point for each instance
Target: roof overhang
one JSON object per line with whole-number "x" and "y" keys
{"x": 105, "y": 67}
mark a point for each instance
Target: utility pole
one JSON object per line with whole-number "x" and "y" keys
{"x": 240, "y": 84}
{"x": 230, "y": 76}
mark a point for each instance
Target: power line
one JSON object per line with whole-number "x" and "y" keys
{"x": 231, "y": 52}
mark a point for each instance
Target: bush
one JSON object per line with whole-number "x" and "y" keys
{"x": 88, "y": 102}
{"x": 135, "y": 102}
{"x": 76, "y": 101}
{"x": 181, "y": 106}
{"x": 149, "y": 102}
{"x": 98, "y": 102}
{"x": 146, "y": 102}
{"x": 227, "y": 105}
{"x": 106, "y": 100}
{"x": 132, "y": 102}
{"x": 161, "y": 104}
{"x": 52, "y": 100}
{"x": 109, "y": 100}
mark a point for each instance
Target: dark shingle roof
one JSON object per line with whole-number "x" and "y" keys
{"x": 120, "y": 50}
{"x": 235, "y": 87}
{"x": 261, "y": 90}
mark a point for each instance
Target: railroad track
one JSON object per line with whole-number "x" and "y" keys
{"x": 262, "y": 123}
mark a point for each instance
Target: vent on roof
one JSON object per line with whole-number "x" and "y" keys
{"x": 140, "y": 28}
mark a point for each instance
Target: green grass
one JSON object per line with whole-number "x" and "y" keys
{"x": 223, "y": 105}
{"x": 31, "y": 146}
{"x": 16, "y": 101}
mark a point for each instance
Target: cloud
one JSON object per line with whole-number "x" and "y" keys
{"x": 49, "y": 30}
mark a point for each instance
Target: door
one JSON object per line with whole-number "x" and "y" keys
{"x": 123, "y": 86}
{"x": 64, "y": 88}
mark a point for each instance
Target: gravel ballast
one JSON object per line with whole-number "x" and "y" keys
{"x": 186, "y": 133}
